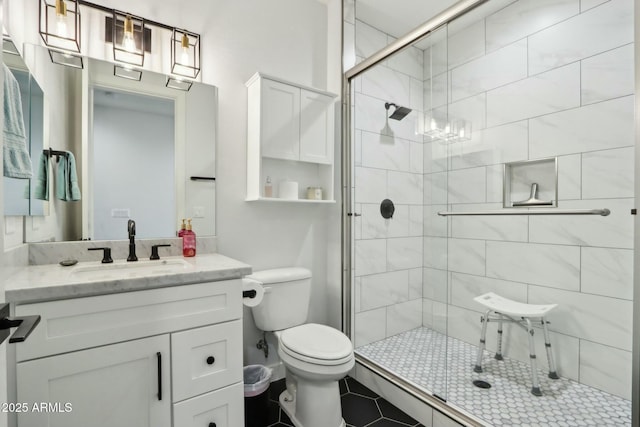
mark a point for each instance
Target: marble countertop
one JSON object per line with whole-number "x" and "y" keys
{"x": 53, "y": 282}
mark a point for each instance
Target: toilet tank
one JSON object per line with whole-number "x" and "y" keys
{"x": 286, "y": 298}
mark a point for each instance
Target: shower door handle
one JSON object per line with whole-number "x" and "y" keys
{"x": 353, "y": 214}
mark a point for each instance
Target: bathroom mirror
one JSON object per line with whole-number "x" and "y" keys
{"x": 19, "y": 193}
{"x": 124, "y": 171}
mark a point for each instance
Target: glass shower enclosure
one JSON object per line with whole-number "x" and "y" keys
{"x": 495, "y": 156}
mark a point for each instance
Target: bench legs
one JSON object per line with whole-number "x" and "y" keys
{"x": 526, "y": 324}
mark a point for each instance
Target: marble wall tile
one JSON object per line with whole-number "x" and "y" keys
{"x": 387, "y": 84}
{"x": 465, "y": 287}
{"x": 526, "y": 17}
{"x": 613, "y": 231}
{"x": 416, "y": 94}
{"x": 408, "y": 61}
{"x": 545, "y": 93}
{"x": 498, "y": 68}
{"x": 435, "y": 285}
{"x": 436, "y": 89}
{"x": 405, "y": 188}
{"x": 547, "y": 265}
{"x": 368, "y": 39}
{"x": 434, "y": 224}
{"x": 370, "y": 326}
{"x": 435, "y": 188}
{"x": 357, "y": 223}
{"x": 416, "y": 218}
{"x": 589, "y": 4}
{"x": 472, "y": 110}
{"x": 495, "y": 180}
{"x": 467, "y": 256}
{"x": 607, "y": 272}
{"x": 608, "y": 75}
{"x": 608, "y": 174}
{"x": 357, "y": 148}
{"x": 506, "y": 228}
{"x": 436, "y": 57}
{"x": 416, "y": 157}
{"x": 587, "y": 34}
{"x": 467, "y": 185}
{"x": 435, "y": 157}
{"x": 427, "y": 313}
{"x": 466, "y": 44}
{"x": 404, "y": 317}
{"x": 594, "y": 127}
{"x": 370, "y": 256}
{"x": 373, "y": 225}
{"x": 501, "y": 144}
{"x": 607, "y": 321}
{"x": 404, "y": 253}
{"x": 435, "y": 252}
{"x": 385, "y": 152}
{"x": 606, "y": 368}
{"x": 380, "y": 290}
{"x": 570, "y": 177}
{"x": 371, "y": 185}
{"x": 357, "y": 294}
{"x": 415, "y": 283}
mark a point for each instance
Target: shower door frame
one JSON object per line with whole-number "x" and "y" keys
{"x": 348, "y": 215}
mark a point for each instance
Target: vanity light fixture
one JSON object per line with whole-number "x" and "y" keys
{"x": 60, "y": 30}
{"x": 128, "y": 40}
{"x": 185, "y": 53}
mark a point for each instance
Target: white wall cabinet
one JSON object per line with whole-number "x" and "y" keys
{"x": 290, "y": 136}
{"x": 133, "y": 359}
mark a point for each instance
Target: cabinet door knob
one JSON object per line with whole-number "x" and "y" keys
{"x": 210, "y": 361}
{"x": 212, "y": 424}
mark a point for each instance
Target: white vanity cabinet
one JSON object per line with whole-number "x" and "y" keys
{"x": 158, "y": 358}
{"x": 291, "y": 136}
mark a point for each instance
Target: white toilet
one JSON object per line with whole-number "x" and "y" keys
{"x": 315, "y": 356}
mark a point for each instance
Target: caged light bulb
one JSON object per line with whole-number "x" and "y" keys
{"x": 128, "y": 42}
{"x": 61, "y": 18}
{"x": 184, "y": 56}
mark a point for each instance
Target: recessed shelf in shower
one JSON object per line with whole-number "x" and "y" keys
{"x": 531, "y": 183}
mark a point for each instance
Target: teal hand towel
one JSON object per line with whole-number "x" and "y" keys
{"x": 16, "y": 161}
{"x": 41, "y": 183}
{"x": 67, "y": 188}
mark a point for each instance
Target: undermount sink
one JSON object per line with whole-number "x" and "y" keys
{"x": 126, "y": 270}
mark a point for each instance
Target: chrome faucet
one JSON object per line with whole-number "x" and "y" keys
{"x": 131, "y": 227}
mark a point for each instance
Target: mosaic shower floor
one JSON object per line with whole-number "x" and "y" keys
{"x": 423, "y": 357}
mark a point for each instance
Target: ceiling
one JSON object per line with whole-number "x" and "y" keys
{"x": 398, "y": 17}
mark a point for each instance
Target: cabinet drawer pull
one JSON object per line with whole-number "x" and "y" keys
{"x": 159, "y": 355}
{"x": 212, "y": 424}
{"x": 211, "y": 360}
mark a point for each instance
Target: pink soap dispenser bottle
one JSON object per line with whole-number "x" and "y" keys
{"x": 189, "y": 241}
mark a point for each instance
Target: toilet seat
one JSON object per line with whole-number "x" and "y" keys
{"x": 316, "y": 344}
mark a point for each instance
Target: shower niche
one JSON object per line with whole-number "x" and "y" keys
{"x": 290, "y": 140}
{"x": 531, "y": 184}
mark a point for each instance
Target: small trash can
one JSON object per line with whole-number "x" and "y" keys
{"x": 256, "y": 395}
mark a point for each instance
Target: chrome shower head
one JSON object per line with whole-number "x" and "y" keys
{"x": 399, "y": 113}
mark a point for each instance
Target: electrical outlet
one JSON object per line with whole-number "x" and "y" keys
{"x": 198, "y": 211}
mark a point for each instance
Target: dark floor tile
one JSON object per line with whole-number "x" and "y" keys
{"x": 274, "y": 413}
{"x": 343, "y": 386}
{"x": 275, "y": 388}
{"x": 359, "y": 411}
{"x": 386, "y": 423}
{"x": 356, "y": 387}
{"x": 392, "y": 412}
{"x": 284, "y": 418}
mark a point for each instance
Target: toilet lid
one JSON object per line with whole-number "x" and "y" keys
{"x": 317, "y": 342}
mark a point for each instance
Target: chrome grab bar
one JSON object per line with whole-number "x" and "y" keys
{"x": 602, "y": 212}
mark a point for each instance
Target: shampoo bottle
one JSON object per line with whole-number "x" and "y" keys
{"x": 183, "y": 228}
{"x": 189, "y": 241}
